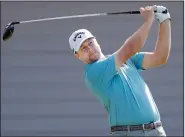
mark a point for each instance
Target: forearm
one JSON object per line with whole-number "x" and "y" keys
{"x": 137, "y": 40}
{"x": 163, "y": 44}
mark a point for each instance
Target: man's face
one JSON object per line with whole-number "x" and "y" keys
{"x": 89, "y": 51}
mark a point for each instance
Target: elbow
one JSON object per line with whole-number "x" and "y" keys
{"x": 162, "y": 56}
{"x": 163, "y": 60}
{"x": 134, "y": 48}
{"x": 159, "y": 59}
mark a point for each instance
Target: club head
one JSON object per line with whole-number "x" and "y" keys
{"x": 8, "y": 32}
{"x": 9, "y": 29}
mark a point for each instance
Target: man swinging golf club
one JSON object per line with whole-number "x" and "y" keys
{"x": 115, "y": 79}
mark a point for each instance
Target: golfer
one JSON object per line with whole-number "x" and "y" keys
{"x": 115, "y": 80}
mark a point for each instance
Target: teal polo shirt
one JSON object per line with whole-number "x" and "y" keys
{"x": 123, "y": 92}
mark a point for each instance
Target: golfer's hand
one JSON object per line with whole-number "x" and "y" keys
{"x": 159, "y": 15}
{"x": 147, "y": 13}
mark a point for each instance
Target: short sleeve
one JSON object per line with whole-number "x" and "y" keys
{"x": 137, "y": 60}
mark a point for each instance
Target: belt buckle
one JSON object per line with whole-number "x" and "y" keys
{"x": 152, "y": 125}
{"x": 145, "y": 125}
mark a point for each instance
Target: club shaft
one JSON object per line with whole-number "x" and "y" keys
{"x": 65, "y": 17}
{"x": 81, "y": 16}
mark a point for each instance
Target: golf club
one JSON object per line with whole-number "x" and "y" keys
{"x": 9, "y": 29}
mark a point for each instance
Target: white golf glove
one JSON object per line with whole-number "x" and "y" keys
{"x": 160, "y": 15}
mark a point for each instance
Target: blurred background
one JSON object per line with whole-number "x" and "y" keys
{"x": 42, "y": 86}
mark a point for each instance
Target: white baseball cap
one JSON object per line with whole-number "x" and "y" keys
{"x": 78, "y": 37}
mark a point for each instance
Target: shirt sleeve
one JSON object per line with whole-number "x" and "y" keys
{"x": 103, "y": 70}
{"x": 137, "y": 60}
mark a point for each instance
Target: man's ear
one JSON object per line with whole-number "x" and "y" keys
{"x": 76, "y": 55}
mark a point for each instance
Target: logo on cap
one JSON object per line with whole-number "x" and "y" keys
{"x": 77, "y": 35}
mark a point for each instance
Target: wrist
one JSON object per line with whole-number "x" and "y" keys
{"x": 149, "y": 20}
{"x": 166, "y": 21}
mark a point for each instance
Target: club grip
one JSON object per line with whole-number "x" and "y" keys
{"x": 133, "y": 12}
{"x": 127, "y": 12}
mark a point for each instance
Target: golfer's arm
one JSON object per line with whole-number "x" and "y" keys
{"x": 133, "y": 44}
{"x": 162, "y": 49}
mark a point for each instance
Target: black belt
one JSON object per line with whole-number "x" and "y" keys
{"x": 149, "y": 126}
